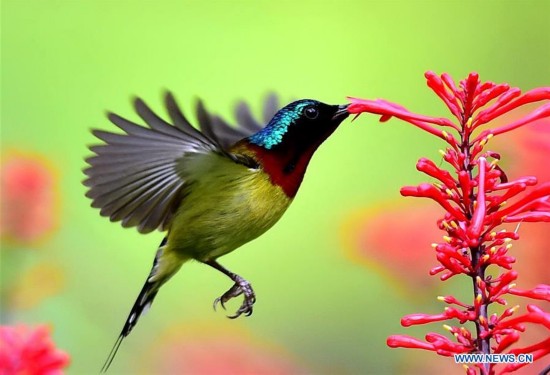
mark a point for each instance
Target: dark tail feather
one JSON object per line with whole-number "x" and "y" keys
{"x": 112, "y": 354}
{"x": 142, "y": 304}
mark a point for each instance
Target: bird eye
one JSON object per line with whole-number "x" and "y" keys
{"x": 311, "y": 112}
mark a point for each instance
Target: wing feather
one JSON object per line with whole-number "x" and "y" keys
{"x": 245, "y": 118}
{"x": 226, "y": 135}
{"x": 133, "y": 176}
{"x": 181, "y": 122}
{"x": 114, "y": 176}
{"x": 271, "y": 106}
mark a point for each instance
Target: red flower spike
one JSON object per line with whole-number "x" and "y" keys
{"x": 475, "y": 206}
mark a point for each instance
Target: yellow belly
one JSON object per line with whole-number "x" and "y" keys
{"x": 227, "y": 205}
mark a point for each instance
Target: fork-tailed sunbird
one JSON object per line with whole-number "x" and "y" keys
{"x": 210, "y": 190}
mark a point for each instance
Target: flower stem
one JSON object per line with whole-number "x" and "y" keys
{"x": 482, "y": 340}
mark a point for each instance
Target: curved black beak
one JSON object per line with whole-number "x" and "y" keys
{"x": 341, "y": 113}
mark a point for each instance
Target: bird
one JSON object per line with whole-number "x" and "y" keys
{"x": 210, "y": 189}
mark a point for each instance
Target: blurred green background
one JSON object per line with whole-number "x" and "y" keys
{"x": 324, "y": 307}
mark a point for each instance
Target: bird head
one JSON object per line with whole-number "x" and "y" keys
{"x": 301, "y": 124}
{"x": 285, "y": 146}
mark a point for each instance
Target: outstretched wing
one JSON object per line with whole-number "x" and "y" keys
{"x": 133, "y": 177}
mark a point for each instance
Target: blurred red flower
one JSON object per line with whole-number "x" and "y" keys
{"x": 531, "y": 149}
{"x": 530, "y": 145}
{"x": 28, "y": 196}
{"x": 221, "y": 351}
{"x": 370, "y": 236}
{"x": 25, "y": 350}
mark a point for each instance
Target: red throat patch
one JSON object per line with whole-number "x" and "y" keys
{"x": 284, "y": 167}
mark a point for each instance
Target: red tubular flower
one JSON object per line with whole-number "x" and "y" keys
{"x": 541, "y": 292}
{"x": 30, "y": 351}
{"x": 478, "y": 198}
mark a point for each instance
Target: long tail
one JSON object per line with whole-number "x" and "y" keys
{"x": 165, "y": 265}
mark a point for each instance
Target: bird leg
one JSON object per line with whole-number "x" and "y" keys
{"x": 241, "y": 286}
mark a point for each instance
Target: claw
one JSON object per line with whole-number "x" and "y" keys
{"x": 241, "y": 286}
{"x": 246, "y": 309}
{"x": 220, "y": 301}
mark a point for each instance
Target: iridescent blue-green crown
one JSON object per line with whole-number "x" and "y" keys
{"x": 274, "y": 131}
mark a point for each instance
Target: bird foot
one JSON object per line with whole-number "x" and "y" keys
{"x": 241, "y": 287}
